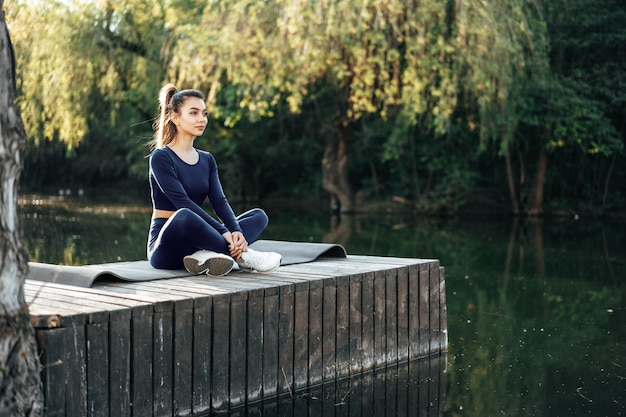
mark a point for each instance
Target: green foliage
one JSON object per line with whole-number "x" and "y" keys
{"x": 383, "y": 55}
{"x": 422, "y": 87}
{"x": 502, "y": 49}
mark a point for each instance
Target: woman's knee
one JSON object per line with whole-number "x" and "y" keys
{"x": 183, "y": 213}
{"x": 259, "y": 215}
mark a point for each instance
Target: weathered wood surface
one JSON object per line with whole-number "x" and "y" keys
{"x": 188, "y": 346}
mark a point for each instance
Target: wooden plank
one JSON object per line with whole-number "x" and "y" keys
{"x": 270, "y": 342}
{"x": 119, "y": 366}
{"x": 220, "y": 359}
{"x": 367, "y": 321}
{"x": 182, "y": 378}
{"x": 285, "y": 338}
{"x": 301, "y": 337}
{"x": 424, "y": 314}
{"x": 162, "y": 360}
{"x": 434, "y": 331}
{"x": 52, "y": 345}
{"x": 34, "y": 289}
{"x": 403, "y": 313}
{"x": 443, "y": 311}
{"x": 254, "y": 349}
{"x": 380, "y": 346}
{"x": 52, "y": 317}
{"x": 391, "y": 315}
{"x": 342, "y": 330}
{"x": 202, "y": 360}
{"x": 355, "y": 324}
{"x": 141, "y": 362}
{"x": 93, "y": 310}
{"x": 316, "y": 369}
{"x": 97, "y": 335}
{"x": 414, "y": 312}
{"x": 74, "y": 362}
{"x": 160, "y": 296}
{"x": 238, "y": 336}
{"x": 329, "y": 324}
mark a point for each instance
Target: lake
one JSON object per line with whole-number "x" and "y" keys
{"x": 536, "y": 309}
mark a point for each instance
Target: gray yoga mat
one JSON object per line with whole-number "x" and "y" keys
{"x": 85, "y": 276}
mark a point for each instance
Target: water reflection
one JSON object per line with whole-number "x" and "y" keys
{"x": 415, "y": 388}
{"x": 536, "y": 310}
{"x": 79, "y": 232}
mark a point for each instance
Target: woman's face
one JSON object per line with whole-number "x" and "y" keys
{"x": 192, "y": 117}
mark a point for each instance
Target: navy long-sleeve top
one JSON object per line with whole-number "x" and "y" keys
{"x": 175, "y": 184}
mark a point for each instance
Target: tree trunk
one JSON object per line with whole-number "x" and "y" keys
{"x": 515, "y": 204}
{"x": 20, "y": 383}
{"x": 335, "y": 172}
{"x": 535, "y": 200}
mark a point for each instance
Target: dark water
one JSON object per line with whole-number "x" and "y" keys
{"x": 536, "y": 310}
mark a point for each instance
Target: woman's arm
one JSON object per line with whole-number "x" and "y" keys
{"x": 218, "y": 199}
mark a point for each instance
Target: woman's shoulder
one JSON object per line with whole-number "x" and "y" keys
{"x": 160, "y": 156}
{"x": 159, "y": 152}
{"x": 206, "y": 155}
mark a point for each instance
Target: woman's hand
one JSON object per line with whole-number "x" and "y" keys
{"x": 237, "y": 243}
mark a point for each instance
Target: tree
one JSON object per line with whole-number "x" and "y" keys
{"x": 20, "y": 384}
{"x": 503, "y": 53}
{"x": 376, "y": 57}
{"x": 88, "y": 73}
{"x": 585, "y": 108}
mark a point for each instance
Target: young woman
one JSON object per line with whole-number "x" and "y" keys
{"x": 182, "y": 177}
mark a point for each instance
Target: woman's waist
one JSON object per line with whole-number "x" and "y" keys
{"x": 162, "y": 214}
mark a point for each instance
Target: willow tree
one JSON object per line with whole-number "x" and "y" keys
{"x": 380, "y": 57}
{"x": 20, "y": 385}
{"x": 88, "y": 72}
{"x": 503, "y": 54}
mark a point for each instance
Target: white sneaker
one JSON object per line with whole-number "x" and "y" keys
{"x": 253, "y": 260}
{"x": 207, "y": 262}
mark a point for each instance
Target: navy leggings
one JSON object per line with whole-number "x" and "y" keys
{"x": 170, "y": 240}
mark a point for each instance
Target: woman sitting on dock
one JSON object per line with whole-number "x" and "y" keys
{"x": 182, "y": 233}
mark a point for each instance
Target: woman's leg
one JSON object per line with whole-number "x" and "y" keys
{"x": 186, "y": 232}
{"x": 252, "y": 223}
{"x": 181, "y": 235}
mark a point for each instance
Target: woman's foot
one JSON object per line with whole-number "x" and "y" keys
{"x": 264, "y": 262}
{"x": 206, "y": 262}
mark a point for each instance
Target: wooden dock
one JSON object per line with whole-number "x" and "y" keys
{"x": 189, "y": 346}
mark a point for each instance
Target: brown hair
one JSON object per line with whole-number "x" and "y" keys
{"x": 170, "y": 101}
